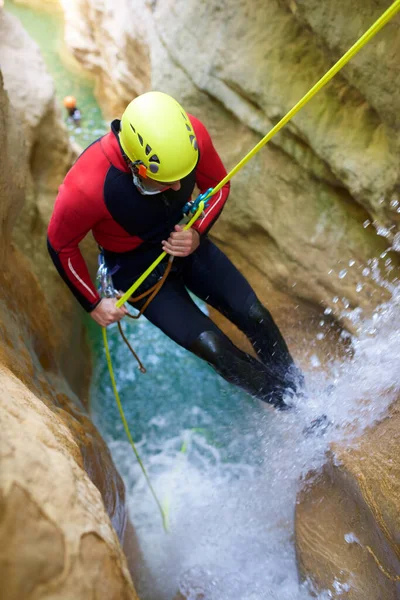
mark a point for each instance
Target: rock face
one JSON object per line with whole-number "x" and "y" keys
{"x": 118, "y": 58}
{"x": 347, "y": 520}
{"x": 311, "y": 214}
{"x": 56, "y": 539}
{"x": 48, "y": 156}
{"x": 62, "y": 503}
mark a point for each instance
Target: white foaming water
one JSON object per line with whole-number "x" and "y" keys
{"x": 232, "y": 513}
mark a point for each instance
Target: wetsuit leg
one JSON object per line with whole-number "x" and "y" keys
{"x": 260, "y": 328}
{"x": 240, "y": 368}
{"x": 213, "y": 278}
{"x": 174, "y": 312}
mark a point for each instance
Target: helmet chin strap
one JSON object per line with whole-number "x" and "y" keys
{"x": 141, "y": 189}
{"x": 138, "y": 183}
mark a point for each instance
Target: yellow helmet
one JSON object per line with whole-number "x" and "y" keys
{"x": 157, "y": 135}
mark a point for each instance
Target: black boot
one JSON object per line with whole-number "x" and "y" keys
{"x": 270, "y": 345}
{"x": 241, "y": 369}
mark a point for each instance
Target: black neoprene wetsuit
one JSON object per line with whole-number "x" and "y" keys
{"x": 98, "y": 195}
{"x": 211, "y": 276}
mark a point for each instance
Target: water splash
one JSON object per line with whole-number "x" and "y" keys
{"x": 231, "y": 493}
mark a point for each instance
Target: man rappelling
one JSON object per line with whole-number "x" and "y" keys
{"x": 129, "y": 188}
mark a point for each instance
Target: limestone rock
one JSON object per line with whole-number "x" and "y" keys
{"x": 109, "y": 39}
{"x": 46, "y": 154}
{"x": 347, "y": 518}
{"x": 263, "y": 61}
{"x": 62, "y": 503}
{"x": 45, "y": 412}
{"x": 45, "y": 158}
{"x": 55, "y": 538}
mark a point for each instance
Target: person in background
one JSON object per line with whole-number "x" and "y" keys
{"x": 129, "y": 188}
{"x": 73, "y": 111}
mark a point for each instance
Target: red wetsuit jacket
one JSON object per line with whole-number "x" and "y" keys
{"x": 98, "y": 195}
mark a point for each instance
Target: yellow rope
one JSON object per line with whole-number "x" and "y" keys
{"x": 128, "y": 433}
{"x": 364, "y": 39}
{"x": 151, "y": 268}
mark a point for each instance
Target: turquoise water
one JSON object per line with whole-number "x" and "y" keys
{"x": 227, "y": 467}
{"x": 47, "y": 31}
{"x": 178, "y": 394}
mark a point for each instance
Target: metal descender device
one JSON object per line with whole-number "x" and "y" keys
{"x": 190, "y": 207}
{"x": 104, "y": 281}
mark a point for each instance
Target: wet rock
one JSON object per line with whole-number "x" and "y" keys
{"x": 347, "y": 525}
{"x": 109, "y": 41}
{"x": 62, "y": 503}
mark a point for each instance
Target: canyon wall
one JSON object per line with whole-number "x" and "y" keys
{"x": 62, "y": 502}
{"x": 310, "y": 218}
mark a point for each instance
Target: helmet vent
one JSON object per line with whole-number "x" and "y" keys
{"x": 153, "y": 167}
{"x": 154, "y": 158}
{"x": 140, "y": 139}
{"x": 148, "y": 150}
{"x": 184, "y": 116}
{"x": 188, "y": 127}
{"x": 132, "y": 127}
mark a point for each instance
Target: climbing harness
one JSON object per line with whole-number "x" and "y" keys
{"x": 194, "y": 209}
{"x": 150, "y": 294}
{"x": 106, "y": 289}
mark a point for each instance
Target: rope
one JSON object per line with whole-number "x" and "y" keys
{"x": 153, "y": 265}
{"x": 121, "y": 331}
{"x": 127, "y": 431}
{"x": 151, "y": 293}
{"x": 363, "y": 40}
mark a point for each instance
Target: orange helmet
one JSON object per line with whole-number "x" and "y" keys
{"x": 69, "y": 102}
